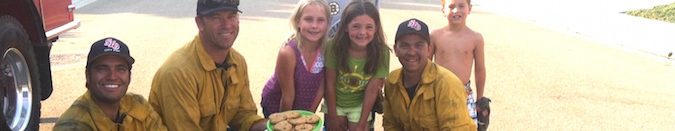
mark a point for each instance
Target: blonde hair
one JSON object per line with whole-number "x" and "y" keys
{"x": 295, "y": 17}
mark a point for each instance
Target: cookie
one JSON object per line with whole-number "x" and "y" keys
{"x": 298, "y": 121}
{"x": 283, "y": 126}
{"x": 304, "y": 127}
{"x": 312, "y": 119}
{"x": 277, "y": 117}
{"x": 292, "y": 115}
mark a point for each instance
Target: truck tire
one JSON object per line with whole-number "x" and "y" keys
{"x": 19, "y": 81}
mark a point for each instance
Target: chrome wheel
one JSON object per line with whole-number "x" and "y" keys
{"x": 17, "y": 97}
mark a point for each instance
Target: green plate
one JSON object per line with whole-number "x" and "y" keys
{"x": 317, "y": 126}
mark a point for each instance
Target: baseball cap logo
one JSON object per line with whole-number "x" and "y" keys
{"x": 111, "y": 45}
{"x": 415, "y": 25}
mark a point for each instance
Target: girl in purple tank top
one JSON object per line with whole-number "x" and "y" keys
{"x": 298, "y": 80}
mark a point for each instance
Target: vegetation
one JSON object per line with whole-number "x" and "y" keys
{"x": 661, "y": 12}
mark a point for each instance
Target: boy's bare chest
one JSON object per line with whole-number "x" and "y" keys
{"x": 454, "y": 46}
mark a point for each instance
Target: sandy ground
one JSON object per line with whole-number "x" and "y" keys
{"x": 538, "y": 79}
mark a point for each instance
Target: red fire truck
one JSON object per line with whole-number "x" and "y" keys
{"x": 27, "y": 30}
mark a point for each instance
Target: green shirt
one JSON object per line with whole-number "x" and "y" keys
{"x": 351, "y": 86}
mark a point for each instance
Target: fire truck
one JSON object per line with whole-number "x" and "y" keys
{"x": 27, "y": 30}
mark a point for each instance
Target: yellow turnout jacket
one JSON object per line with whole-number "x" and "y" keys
{"x": 192, "y": 94}
{"x": 438, "y": 105}
{"x": 85, "y": 115}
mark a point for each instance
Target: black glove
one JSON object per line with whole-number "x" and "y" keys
{"x": 483, "y": 120}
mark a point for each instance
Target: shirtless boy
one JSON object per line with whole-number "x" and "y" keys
{"x": 456, "y": 47}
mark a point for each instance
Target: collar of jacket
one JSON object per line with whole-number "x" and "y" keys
{"x": 131, "y": 106}
{"x": 205, "y": 59}
{"x": 98, "y": 117}
{"x": 428, "y": 75}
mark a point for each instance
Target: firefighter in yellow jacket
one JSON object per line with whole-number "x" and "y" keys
{"x": 204, "y": 85}
{"x": 422, "y": 95}
{"x": 105, "y": 106}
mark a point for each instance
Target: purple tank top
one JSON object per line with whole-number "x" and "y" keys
{"x": 306, "y": 84}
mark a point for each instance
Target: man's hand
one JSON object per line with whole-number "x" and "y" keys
{"x": 483, "y": 112}
{"x": 259, "y": 126}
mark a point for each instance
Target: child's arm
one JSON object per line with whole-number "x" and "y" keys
{"x": 285, "y": 69}
{"x": 432, "y": 50}
{"x": 432, "y": 45}
{"x": 330, "y": 99}
{"x": 374, "y": 84}
{"x": 479, "y": 57}
{"x": 319, "y": 95}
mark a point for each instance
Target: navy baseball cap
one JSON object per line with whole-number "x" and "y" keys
{"x": 109, "y": 46}
{"x": 413, "y": 26}
{"x": 205, "y": 7}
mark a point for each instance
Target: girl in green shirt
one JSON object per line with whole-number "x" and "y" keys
{"x": 357, "y": 61}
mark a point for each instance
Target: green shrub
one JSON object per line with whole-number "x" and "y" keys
{"x": 661, "y": 12}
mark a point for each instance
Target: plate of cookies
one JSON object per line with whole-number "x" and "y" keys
{"x": 294, "y": 120}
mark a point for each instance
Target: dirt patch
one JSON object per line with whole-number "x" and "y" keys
{"x": 65, "y": 59}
